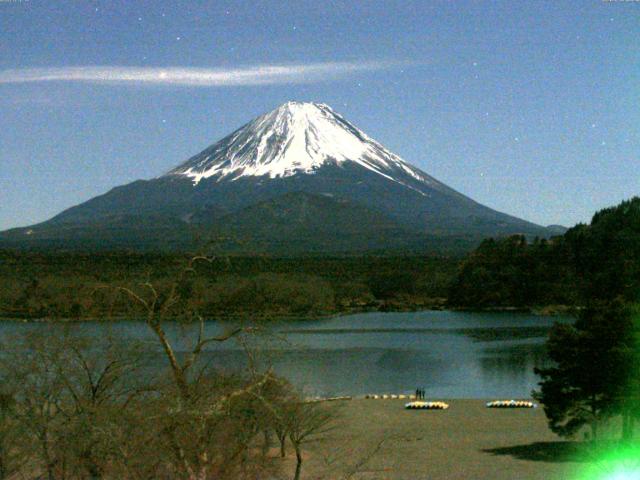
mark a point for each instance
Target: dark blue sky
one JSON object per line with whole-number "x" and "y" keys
{"x": 530, "y": 107}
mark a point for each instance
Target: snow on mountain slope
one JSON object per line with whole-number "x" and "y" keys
{"x": 297, "y": 138}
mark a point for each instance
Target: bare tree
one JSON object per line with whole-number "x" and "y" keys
{"x": 13, "y": 455}
{"x": 208, "y": 422}
{"x": 100, "y": 382}
{"x": 306, "y": 421}
{"x": 29, "y": 367}
{"x": 159, "y": 306}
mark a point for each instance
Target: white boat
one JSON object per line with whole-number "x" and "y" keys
{"x": 420, "y": 405}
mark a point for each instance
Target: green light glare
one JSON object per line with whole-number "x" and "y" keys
{"x": 623, "y": 474}
{"x": 617, "y": 463}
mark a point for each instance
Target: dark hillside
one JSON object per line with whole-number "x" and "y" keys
{"x": 596, "y": 261}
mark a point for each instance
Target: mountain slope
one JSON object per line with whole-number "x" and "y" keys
{"x": 294, "y": 138}
{"x": 299, "y": 222}
{"x": 301, "y": 153}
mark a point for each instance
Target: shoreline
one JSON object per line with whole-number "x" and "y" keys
{"x": 546, "y": 310}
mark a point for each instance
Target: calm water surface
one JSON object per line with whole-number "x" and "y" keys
{"x": 450, "y": 354}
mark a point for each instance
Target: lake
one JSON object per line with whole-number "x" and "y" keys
{"x": 449, "y": 354}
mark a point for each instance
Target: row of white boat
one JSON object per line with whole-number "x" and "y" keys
{"x": 389, "y": 397}
{"x": 426, "y": 405}
{"x": 511, "y": 404}
{"x": 420, "y": 405}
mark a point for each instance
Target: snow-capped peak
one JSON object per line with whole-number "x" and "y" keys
{"x": 296, "y": 137}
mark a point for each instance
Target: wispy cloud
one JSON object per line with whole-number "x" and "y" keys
{"x": 195, "y": 77}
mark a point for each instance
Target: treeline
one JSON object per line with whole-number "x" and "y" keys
{"x": 589, "y": 262}
{"x": 73, "y": 285}
{"x": 596, "y": 261}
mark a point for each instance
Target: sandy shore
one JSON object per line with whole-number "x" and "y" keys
{"x": 467, "y": 441}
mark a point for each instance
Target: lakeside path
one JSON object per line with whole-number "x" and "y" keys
{"x": 467, "y": 441}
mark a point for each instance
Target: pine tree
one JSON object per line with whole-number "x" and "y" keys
{"x": 590, "y": 380}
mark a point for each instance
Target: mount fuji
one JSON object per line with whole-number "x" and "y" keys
{"x": 298, "y": 179}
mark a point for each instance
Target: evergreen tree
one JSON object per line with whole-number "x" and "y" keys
{"x": 590, "y": 380}
{"x": 630, "y": 391}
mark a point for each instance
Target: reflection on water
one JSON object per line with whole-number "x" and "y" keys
{"x": 513, "y": 358}
{"x": 450, "y": 354}
{"x": 480, "y": 334}
{"x": 509, "y": 364}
